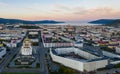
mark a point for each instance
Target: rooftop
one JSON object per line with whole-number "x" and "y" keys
{"x": 76, "y": 57}
{"x": 1, "y": 49}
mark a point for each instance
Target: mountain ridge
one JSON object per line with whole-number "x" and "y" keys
{"x": 102, "y": 21}
{"x": 16, "y": 21}
{"x": 107, "y": 22}
{"x": 115, "y": 23}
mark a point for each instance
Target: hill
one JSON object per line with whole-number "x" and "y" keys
{"x": 102, "y": 21}
{"x": 16, "y": 21}
{"x": 107, "y": 22}
{"x": 115, "y": 23}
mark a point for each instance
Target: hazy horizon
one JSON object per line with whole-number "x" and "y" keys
{"x": 60, "y": 10}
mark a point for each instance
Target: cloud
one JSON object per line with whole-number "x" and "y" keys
{"x": 79, "y": 13}
{"x": 82, "y": 13}
{"x": 102, "y": 12}
{"x": 59, "y": 8}
{"x": 62, "y": 7}
{"x": 61, "y": 12}
{"x": 2, "y": 4}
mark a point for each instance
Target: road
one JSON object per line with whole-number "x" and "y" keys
{"x": 43, "y": 63}
{"x": 8, "y": 58}
{"x": 110, "y": 71}
{"x": 40, "y": 50}
{"x": 22, "y": 70}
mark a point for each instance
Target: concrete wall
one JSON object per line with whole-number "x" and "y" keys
{"x": 117, "y": 50}
{"x": 86, "y": 55}
{"x": 78, "y": 65}
{"x": 79, "y": 45}
{"x": 115, "y": 62}
{"x": 68, "y": 62}
{"x": 112, "y": 55}
{"x": 66, "y": 39}
{"x": 3, "y": 52}
{"x": 81, "y": 53}
{"x": 91, "y": 66}
{"x": 33, "y": 32}
{"x": 57, "y": 44}
{"x": 109, "y": 54}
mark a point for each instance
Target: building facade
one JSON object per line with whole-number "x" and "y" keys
{"x": 26, "y": 48}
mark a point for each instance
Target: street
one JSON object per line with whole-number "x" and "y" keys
{"x": 41, "y": 56}
{"x": 43, "y": 63}
{"x": 8, "y": 57}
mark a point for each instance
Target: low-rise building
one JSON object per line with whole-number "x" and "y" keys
{"x": 78, "y": 59}
{"x": 2, "y": 50}
{"x": 117, "y": 49}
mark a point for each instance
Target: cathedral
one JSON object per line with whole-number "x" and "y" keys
{"x": 26, "y": 49}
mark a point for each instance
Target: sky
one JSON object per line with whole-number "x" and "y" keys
{"x": 61, "y": 10}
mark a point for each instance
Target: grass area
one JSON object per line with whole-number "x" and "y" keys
{"x": 117, "y": 65}
{"x": 65, "y": 70}
{"x": 107, "y": 49}
{"x": 35, "y": 43}
{"x": 18, "y": 73}
{"x": 24, "y": 67}
{"x": 38, "y": 65}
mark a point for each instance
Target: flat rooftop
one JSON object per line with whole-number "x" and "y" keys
{"x": 76, "y": 57}
{"x": 1, "y": 49}
{"x": 53, "y": 40}
{"x": 72, "y": 55}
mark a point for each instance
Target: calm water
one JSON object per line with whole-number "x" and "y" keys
{"x": 76, "y": 24}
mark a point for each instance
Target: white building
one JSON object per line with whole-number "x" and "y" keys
{"x": 33, "y": 33}
{"x": 34, "y": 40}
{"x": 90, "y": 63}
{"x": 2, "y": 51}
{"x": 26, "y": 48}
{"x": 117, "y": 50}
